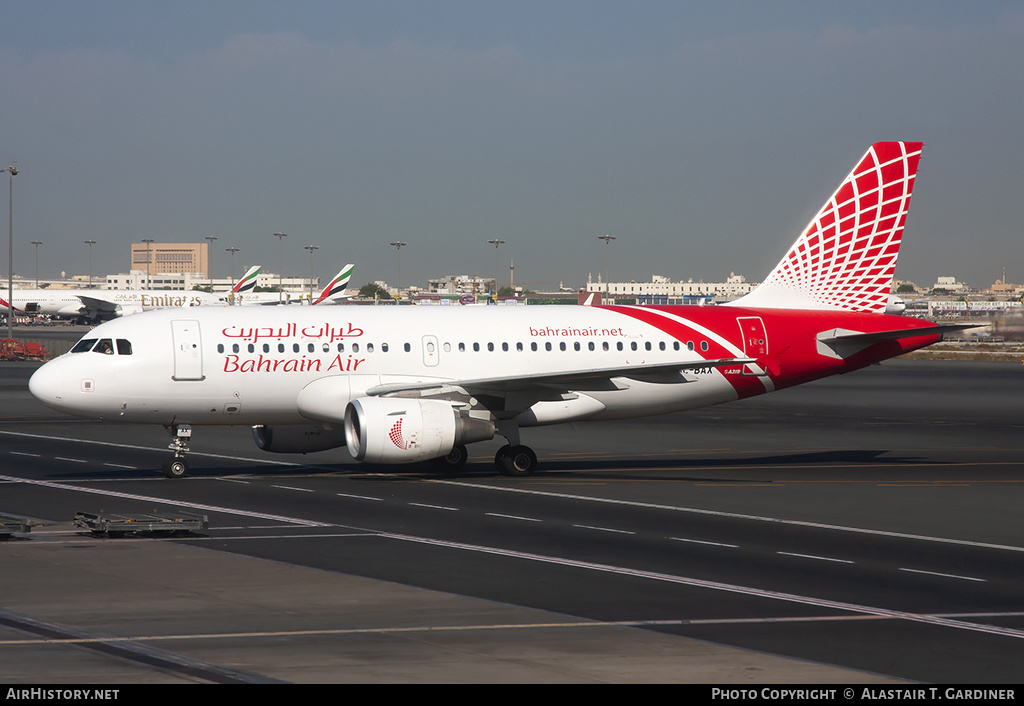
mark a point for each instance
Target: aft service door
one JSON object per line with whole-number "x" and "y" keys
{"x": 755, "y": 340}
{"x": 188, "y": 350}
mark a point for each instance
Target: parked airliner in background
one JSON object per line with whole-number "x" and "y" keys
{"x": 406, "y": 384}
{"x": 104, "y": 304}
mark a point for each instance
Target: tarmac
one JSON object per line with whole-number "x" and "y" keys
{"x": 81, "y": 609}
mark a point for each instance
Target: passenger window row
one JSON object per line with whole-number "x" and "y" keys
{"x": 463, "y": 347}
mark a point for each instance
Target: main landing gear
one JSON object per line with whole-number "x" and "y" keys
{"x": 511, "y": 460}
{"x": 454, "y": 461}
{"x": 176, "y": 466}
{"x": 514, "y": 459}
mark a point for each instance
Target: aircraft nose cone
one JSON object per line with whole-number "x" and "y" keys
{"x": 46, "y": 385}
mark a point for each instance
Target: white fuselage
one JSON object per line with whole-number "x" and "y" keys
{"x": 251, "y": 365}
{"x": 113, "y": 302}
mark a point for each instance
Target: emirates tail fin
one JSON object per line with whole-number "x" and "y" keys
{"x": 248, "y": 281}
{"x": 846, "y": 257}
{"x": 336, "y": 286}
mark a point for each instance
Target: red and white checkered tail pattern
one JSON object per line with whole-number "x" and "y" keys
{"x": 846, "y": 257}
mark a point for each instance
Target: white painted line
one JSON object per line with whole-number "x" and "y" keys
{"x": 732, "y": 515}
{"x": 720, "y": 586}
{"x": 819, "y": 558}
{"x": 359, "y": 497}
{"x": 162, "y": 450}
{"x": 946, "y": 576}
{"x": 436, "y": 507}
{"x": 604, "y": 529}
{"x": 23, "y": 453}
{"x": 287, "y": 487}
{"x": 700, "y": 541}
{"x": 166, "y": 501}
{"x": 73, "y": 460}
{"x": 433, "y": 628}
{"x": 121, "y": 465}
{"x": 513, "y": 517}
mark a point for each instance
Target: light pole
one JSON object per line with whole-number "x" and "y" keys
{"x": 11, "y": 170}
{"x": 607, "y": 239}
{"x": 90, "y": 243}
{"x": 149, "y": 260}
{"x": 398, "y": 245}
{"x": 37, "y": 243}
{"x": 496, "y": 242}
{"x": 232, "y": 251}
{"x": 280, "y": 265}
{"x": 311, "y": 248}
{"x": 209, "y": 257}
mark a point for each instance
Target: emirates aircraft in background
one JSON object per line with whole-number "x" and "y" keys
{"x": 407, "y": 384}
{"x": 104, "y": 304}
{"x": 332, "y": 293}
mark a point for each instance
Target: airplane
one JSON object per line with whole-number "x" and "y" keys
{"x": 400, "y": 385}
{"x": 895, "y": 305}
{"x": 103, "y": 304}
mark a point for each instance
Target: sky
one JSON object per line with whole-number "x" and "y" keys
{"x": 702, "y": 135}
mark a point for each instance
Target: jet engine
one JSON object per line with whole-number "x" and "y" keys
{"x": 298, "y": 438}
{"x": 127, "y": 310}
{"x": 400, "y": 430}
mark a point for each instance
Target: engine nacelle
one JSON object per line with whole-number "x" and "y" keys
{"x": 298, "y": 438}
{"x": 127, "y": 309}
{"x": 399, "y": 430}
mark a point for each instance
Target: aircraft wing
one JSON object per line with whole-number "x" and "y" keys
{"x": 589, "y": 379}
{"x": 97, "y": 304}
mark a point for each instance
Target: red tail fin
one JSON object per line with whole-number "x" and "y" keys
{"x": 846, "y": 257}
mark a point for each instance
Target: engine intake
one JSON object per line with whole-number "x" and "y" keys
{"x": 398, "y": 430}
{"x": 298, "y": 438}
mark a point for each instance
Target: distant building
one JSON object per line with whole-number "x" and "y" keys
{"x": 662, "y": 287}
{"x": 460, "y": 284}
{"x": 950, "y": 285}
{"x": 140, "y": 279}
{"x": 999, "y": 287}
{"x": 171, "y": 257}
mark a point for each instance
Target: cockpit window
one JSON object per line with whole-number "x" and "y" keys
{"x": 105, "y": 345}
{"x": 124, "y": 347}
{"x": 84, "y": 345}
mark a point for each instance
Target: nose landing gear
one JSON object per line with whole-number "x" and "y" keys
{"x": 176, "y": 466}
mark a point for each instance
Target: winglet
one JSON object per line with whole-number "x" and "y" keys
{"x": 846, "y": 257}
{"x": 337, "y": 285}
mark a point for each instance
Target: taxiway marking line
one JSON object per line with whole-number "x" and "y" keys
{"x": 163, "y": 501}
{"x": 734, "y": 515}
{"x": 946, "y": 576}
{"x": 473, "y": 628}
{"x": 134, "y": 447}
{"x": 716, "y": 586}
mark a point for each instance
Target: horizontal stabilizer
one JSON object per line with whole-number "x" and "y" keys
{"x": 842, "y": 336}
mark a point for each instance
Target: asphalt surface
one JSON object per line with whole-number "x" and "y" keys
{"x": 860, "y": 529}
